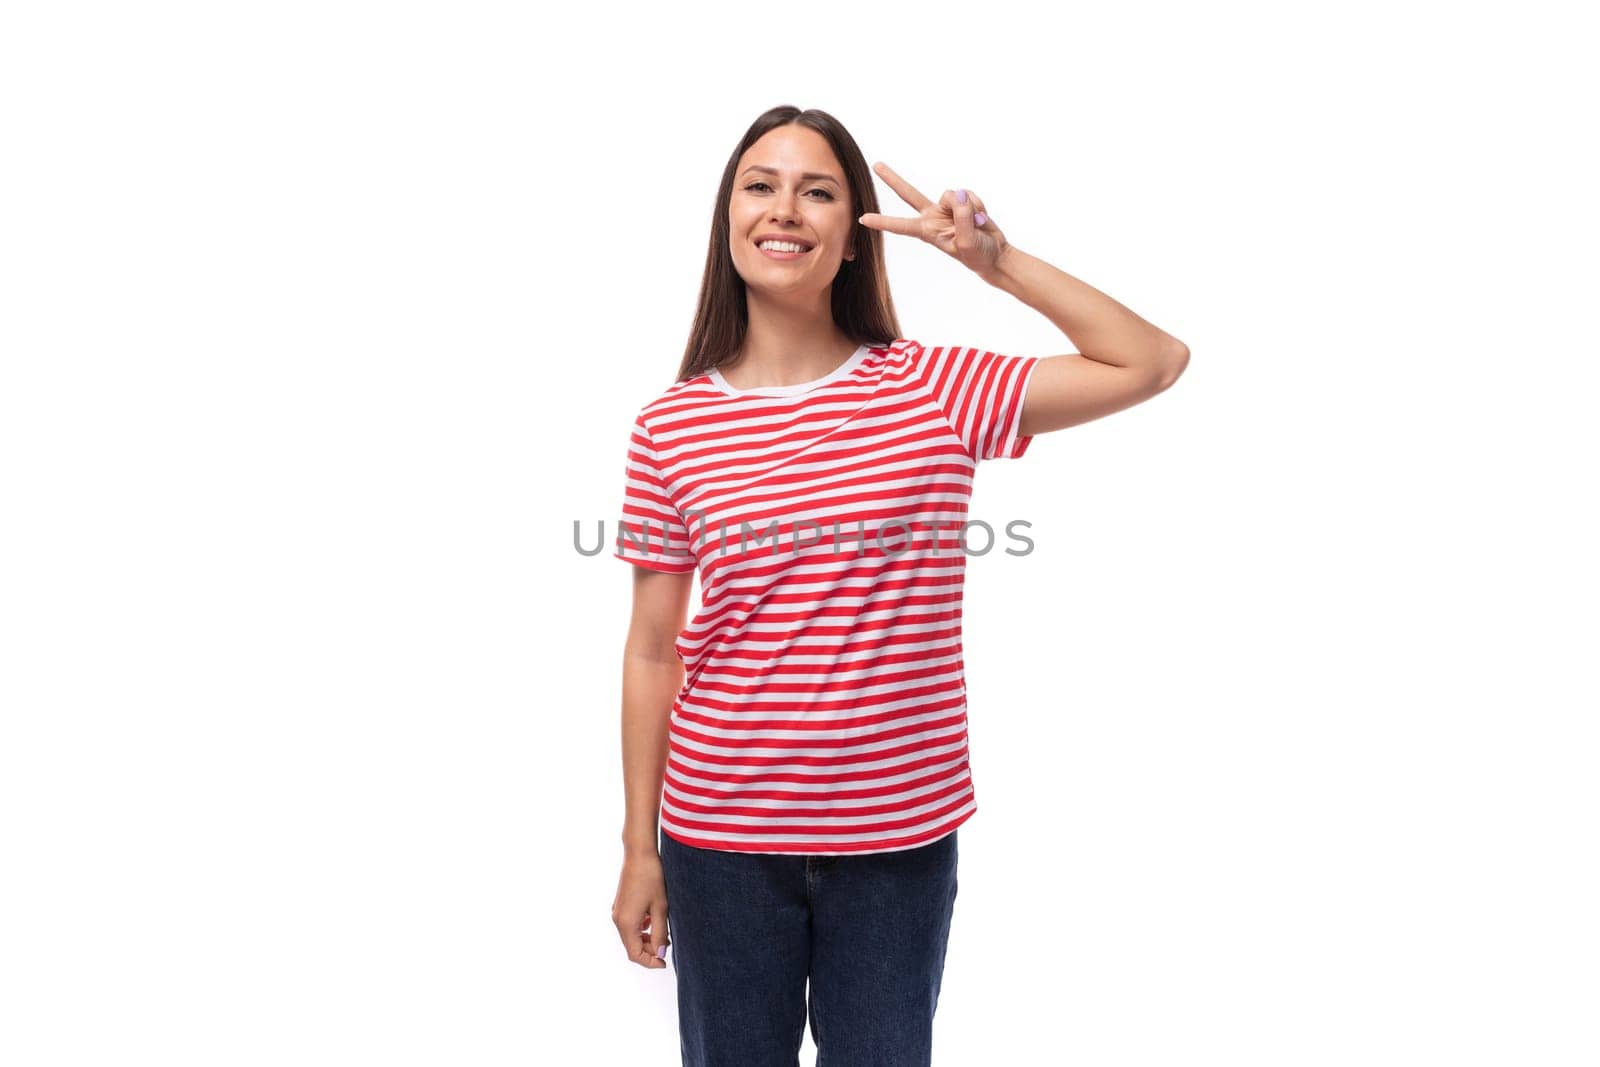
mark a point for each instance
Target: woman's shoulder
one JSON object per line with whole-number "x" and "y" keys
{"x": 676, "y": 394}
{"x": 901, "y": 348}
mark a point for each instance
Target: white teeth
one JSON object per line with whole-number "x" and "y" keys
{"x": 782, "y": 246}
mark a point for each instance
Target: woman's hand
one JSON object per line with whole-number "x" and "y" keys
{"x": 640, "y": 910}
{"x": 955, "y": 226}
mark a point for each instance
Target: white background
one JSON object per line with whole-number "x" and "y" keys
{"x": 324, "y": 322}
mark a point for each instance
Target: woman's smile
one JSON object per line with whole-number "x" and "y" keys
{"x": 774, "y": 253}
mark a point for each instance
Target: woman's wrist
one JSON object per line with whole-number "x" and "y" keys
{"x": 635, "y": 846}
{"x": 1002, "y": 273}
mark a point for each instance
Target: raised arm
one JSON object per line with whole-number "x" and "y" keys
{"x": 1122, "y": 359}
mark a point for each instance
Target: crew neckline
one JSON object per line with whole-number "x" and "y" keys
{"x": 840, "y": 371}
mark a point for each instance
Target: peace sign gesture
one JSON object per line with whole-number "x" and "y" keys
{"x": 956, "y": 224}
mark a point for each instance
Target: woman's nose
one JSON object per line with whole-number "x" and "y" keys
{"x": 786, "y": 207}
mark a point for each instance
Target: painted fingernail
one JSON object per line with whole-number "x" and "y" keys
{"x": 980, "y": 218}
{"x": 661, "y": 953}
{"x": 961, "y": 196}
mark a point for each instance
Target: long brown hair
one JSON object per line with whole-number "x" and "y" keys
{"x": 862, "y": 306}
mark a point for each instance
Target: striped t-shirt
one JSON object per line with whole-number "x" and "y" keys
{"x": 823, "y": 709}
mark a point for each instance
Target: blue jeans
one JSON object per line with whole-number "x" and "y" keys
{"x": 748, "y": 929}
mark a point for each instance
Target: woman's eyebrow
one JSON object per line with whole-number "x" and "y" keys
{"x": 806, "y": 177}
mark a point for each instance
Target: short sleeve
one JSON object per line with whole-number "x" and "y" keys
{"x": 651, "y": 532}
{"x": 981, "y": 394}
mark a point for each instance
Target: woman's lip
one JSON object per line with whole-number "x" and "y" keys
{"x": 783, "y": 256}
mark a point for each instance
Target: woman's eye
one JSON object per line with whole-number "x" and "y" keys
{"x": 763, "y": 185}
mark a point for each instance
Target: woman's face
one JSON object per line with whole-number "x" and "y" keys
{"x": 781, "y": 200}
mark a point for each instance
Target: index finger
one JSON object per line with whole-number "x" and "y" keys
{"x": 904, "y": 188}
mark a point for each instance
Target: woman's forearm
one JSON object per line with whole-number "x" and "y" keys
{"x": 1101, "y": 328}
{"x": 649, "y": 687}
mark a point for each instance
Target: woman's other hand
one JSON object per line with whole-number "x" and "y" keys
{"x": 640, "y": 910}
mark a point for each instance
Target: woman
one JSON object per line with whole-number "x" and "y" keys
{"x": 809, "y": 724}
